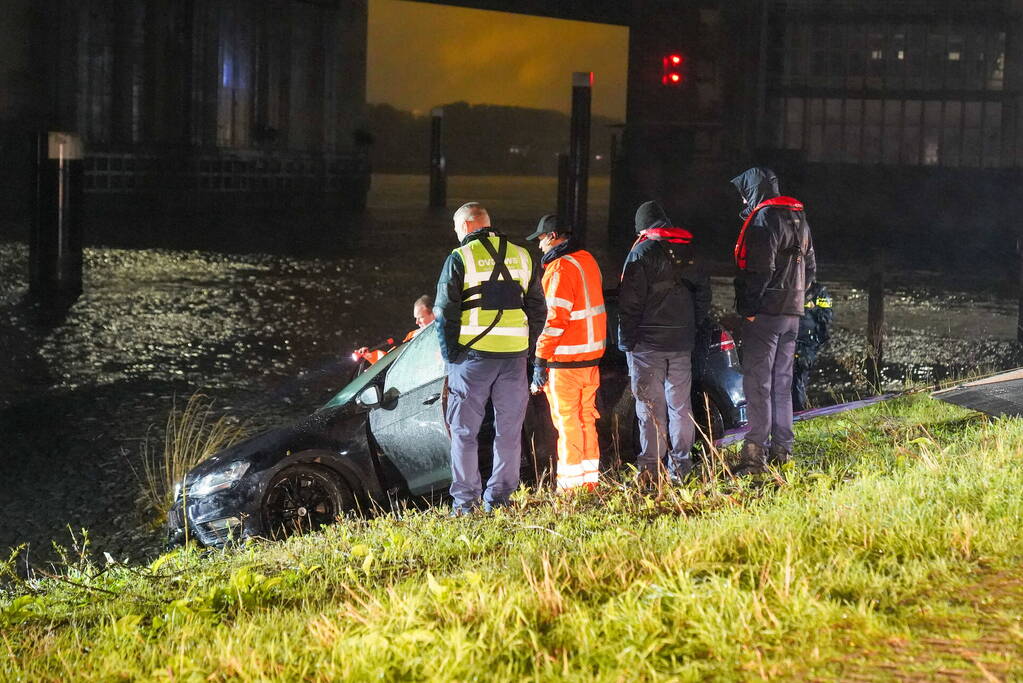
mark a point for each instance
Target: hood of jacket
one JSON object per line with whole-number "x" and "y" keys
{"x": 567, "y": 247}
{"x": 651, "y": 215}
{"x": 755, "y": 185}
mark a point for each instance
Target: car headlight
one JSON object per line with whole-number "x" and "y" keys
{"x": 218, "y": 481}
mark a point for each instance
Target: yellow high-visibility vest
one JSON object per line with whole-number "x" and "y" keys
{"x": 511, "y": 332}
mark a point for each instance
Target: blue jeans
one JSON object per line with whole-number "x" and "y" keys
{"x": 471, "y": 382}
{"x": 662, "y": 383}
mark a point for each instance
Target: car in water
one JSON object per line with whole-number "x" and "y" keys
{"x": 383, "y": 439}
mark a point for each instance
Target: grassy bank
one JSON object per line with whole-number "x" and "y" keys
{"x": 871, "y": 541}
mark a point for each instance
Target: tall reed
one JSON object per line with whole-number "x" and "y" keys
{"x": 192, "y": 434}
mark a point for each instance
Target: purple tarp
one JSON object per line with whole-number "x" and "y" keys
{"x": 733, "y": 435}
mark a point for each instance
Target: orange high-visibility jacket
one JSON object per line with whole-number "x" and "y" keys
{"x": 576, "y": 331}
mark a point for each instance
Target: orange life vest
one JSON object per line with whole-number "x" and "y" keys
{"x": 780, "y": 202}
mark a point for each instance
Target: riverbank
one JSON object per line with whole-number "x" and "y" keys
{"x": 899, "y": 525}
{"x": 261, "y": 312}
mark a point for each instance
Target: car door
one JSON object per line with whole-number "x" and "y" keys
{"x": 409, "y": 425}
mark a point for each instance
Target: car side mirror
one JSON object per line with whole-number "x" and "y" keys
{"x": 369, "y": 397}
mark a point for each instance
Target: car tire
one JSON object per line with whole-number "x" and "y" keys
{"x": 302, "y": 498}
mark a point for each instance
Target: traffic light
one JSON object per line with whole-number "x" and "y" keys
{"x": 673, "y": 71}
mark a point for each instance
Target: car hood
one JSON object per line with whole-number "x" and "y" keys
{"x": 323, "y": 429}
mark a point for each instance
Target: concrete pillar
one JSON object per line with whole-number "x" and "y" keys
{"x": 657, "y": 142}
{"x": 345, "y": 94}
{"x": 579, "y": 153}
{"x": 24, "y": 101}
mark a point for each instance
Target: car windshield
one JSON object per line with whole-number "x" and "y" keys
{"x": 363, "y": 380}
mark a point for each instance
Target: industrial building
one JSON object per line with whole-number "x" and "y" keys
{"x": 912, "y": 103}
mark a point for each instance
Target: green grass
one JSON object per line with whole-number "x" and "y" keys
{"x": 892, "y": 514}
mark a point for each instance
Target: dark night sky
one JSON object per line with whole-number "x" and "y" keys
{"x": 422, "y": 55}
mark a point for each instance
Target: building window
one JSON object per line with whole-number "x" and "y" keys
{"x": 952, "y": 142}
{"x": 992, "y": 133}
{"x": 794, "y": 115}
{"x": 892, "y": 138}
{"x": 910, "y": 149}
{"x": 932, "y": 132}
{"x": 853, "y": 129}
{"x": 843, "y": 59}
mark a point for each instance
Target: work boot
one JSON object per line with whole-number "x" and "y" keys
{"x": 679, "y": 469}
{"x": 463, "y": 510}
{"x": 489, "y": 507}
{"x": 646, "y": 480}
{"x": 752, "y": 460}
{"x": 778, "y": 456}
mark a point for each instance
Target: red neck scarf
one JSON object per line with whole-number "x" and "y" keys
{"x": 740, "y": 244}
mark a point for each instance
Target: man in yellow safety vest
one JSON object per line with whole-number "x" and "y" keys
{"x": 490, "y": 309}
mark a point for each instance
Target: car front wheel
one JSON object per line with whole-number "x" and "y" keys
{"x": 302, "y": 498}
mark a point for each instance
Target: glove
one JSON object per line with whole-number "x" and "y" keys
{"x": 539, "y": 379}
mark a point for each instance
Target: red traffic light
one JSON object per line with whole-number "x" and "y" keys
{"x": 672, "y": 67}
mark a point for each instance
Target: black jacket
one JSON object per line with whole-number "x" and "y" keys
{"x": 447, "y": 306}
{"x": 779, "y": 251}
{"x": 663, "y": 298}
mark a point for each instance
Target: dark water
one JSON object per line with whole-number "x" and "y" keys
{"x": 260, "y": 312}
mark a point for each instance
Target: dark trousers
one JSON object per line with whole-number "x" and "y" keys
{"x": 768, "y": 349}
{"x": 661, "y": 383}
{"x": 471, "y": 382}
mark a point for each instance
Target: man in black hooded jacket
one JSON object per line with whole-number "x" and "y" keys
{"x": 663, "y": 298}
{"x": 775, "y": 257}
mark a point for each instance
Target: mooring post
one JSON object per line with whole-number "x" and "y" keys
{"x": 613, "y": 185}
{"x": 438, "y": 164}
{"x": 564, "y": 187}
{"x": 579, "y": 151}
{"x": 55, "y": 240}
{"x": 875, "y": 317}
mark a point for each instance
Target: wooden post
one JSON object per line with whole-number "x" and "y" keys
{"x": 875, "y": 318}
{"x": 438, "y": 164}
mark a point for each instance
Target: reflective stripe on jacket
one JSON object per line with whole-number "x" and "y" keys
{"x": 576, "y": 331}
{"x": 510, "y": 333}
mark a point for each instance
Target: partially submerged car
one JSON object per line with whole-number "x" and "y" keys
{"x": 383, "y": 438}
